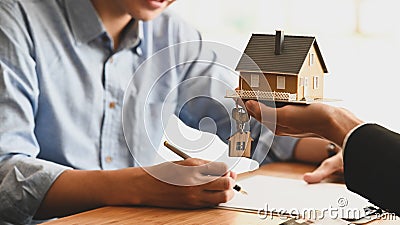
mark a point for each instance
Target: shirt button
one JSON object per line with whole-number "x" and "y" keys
{"x": 111, "y": 60}
{"x": 112, "y": 105}
{"x": 109, "y": 159}
{"x": 139, "y": 51}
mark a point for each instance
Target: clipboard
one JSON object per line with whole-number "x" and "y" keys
{"x": 292, "y": 197}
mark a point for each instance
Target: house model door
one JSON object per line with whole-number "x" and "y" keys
{"x": 305, "y": 88}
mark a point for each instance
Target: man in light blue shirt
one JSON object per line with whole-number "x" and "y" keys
{"x": 64, "y": 68}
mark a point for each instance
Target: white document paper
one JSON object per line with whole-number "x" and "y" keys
{"x": 198, "y": 144}
{"x": 291, "y": 196}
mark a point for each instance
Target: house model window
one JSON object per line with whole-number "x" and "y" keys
{"x": 255, "y": 80}
{"x": 301, "y": 82}
{"x": 312, "y": 59}
{"x": 316, "y": 82}
{"x": 280, "y": 82}
{"x": 305, "y": 81}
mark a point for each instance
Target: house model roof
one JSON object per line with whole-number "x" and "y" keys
{"x": 260, "y": 54}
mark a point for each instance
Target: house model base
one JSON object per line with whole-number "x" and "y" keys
{"x": 283, "y": 98}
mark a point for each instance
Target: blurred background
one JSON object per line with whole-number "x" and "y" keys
{"x": 360, "y": 41}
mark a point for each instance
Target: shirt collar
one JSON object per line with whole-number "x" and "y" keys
{"x": 131, "y": 35}
{"x": 84, "y": 21}
{"x": 87, "y": 26}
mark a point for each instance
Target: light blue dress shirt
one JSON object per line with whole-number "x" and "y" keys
{"x": 62, "y": 90}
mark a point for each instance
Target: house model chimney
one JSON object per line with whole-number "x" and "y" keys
{"x": 279, "y": 38}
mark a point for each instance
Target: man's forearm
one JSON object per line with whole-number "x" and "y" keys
{"x": 311, "y": 150}
{"x": 76, "y": 191}
{"x": 191, "y": 183}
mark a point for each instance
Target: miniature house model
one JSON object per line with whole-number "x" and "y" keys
{"x": 281, "y": 68}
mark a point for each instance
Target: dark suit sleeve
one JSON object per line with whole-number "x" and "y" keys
{"x": 372, "y": 165}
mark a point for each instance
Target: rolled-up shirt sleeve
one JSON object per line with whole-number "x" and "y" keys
{"x": 24, "y": 183}
{"x": 24, "y": 179}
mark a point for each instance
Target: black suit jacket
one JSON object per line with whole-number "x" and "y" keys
{"x": 372, "y": 165}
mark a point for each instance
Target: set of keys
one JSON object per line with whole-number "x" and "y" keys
{"x": 240, "y": 141}
{"x": 241, "y": 117}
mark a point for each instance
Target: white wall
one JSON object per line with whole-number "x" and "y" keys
{"x": 360, "y": 40}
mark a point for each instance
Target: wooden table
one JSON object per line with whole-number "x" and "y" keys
{"x": 153, "y": 215}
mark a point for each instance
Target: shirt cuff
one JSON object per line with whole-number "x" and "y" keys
{"x": 25, "y": 182}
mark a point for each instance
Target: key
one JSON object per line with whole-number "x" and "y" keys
{"x": 241, "y": 117}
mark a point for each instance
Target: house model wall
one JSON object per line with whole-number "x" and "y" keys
{"x": 282, "y": 68}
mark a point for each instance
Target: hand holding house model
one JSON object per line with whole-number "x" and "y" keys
{"x": 277, "y": 68}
